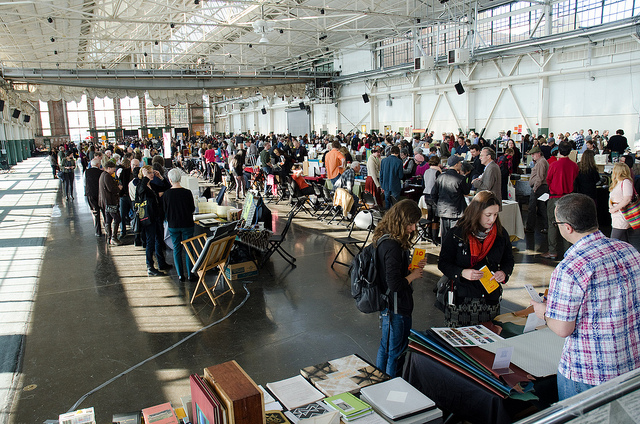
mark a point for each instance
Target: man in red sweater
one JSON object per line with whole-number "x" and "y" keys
{"x": 562, "y": 173}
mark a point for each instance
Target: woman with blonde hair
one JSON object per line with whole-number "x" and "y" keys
{"x": 393, "y": 237}
{"x": 621, "y": 193}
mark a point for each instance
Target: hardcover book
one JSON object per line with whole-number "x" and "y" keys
{"x": 276, "y": 417}
{"x": 311, "y": 410}
{"x": 347, "y": 374}
{"x": 206, "y": 407}
{"x": 160, "y": 414}
{"x": 396, "y": 398}
{"x": 349, "y": 406}
{"x": 127, "y": 418}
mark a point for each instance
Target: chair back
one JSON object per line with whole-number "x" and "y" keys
{"x": 364, "y": 220}
{"x": 368, "y": 199}
{"x": 220, "y": 196}
{"x": 285, "y": 230}
{"x": 343, "y": 199}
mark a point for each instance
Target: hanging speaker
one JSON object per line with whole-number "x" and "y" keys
{"x": 365, "y": 98}
{"x": 27, "y": 118}
{"x": 1, "y": 105}
{"x": 264, "y": 111}
{"x": 459, "y": 87}
{"x": 301, "y": 105}
{"x": 16, "y": 113}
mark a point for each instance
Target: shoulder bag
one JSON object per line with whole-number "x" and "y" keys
{"x": 631, "y": 212}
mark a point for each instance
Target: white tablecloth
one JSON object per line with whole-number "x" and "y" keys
{"x": 511, "y": 219}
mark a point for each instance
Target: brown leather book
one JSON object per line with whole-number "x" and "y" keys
{"x": 242, "y": 397}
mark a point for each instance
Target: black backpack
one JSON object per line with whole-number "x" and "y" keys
{"x": 366, "y": 287}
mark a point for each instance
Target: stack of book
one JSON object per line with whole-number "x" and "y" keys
{"x": 349, "y": 406}
{"x": 399, "y": 402}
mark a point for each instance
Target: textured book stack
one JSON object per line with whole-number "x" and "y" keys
{"x": 399, "y": 402}
{"x": 350, "y": 407}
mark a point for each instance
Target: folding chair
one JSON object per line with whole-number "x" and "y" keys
{"x": 220, "y": 196}
{"x": 342, "y": 203}
{"x": 275, "y": 245}
{"x": 206, "y": 254}
{"x": 298, "y": 200}
{"x": 362, "y": 221}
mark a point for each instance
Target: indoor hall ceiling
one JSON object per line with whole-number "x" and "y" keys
{"x": 205, "y": 34}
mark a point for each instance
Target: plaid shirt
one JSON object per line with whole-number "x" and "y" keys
{"x": 597, "y": 285}
{"x": 346, "y": 180}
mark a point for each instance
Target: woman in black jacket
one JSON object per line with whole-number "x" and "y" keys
{"x": 477, "y": 240}
{"x": 588, "y": 175}
{"x": 396, "y": 229}
{"x": 151, "y": 183}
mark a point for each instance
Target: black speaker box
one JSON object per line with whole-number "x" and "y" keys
{"x": 16, "y": 113}
{"x": 27, "y": 118}
{"x": 365, "y": 98}
{"x": 264, "y": 111}
{"x": 301, "y": 105}
{"x": 459, "y": 88}
{"x": 1, "y": 105}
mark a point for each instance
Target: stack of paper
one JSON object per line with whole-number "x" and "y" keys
{"x": 294, "y": 392}
{"x": 399, "y": 401}
{"x": 349, "y": 406}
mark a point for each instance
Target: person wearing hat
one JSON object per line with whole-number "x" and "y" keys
{"x": 448, "y": 194}
{"x": 539, "y": 186}
{"x": 421, "y": 164}
{"x": 408, "y": 164}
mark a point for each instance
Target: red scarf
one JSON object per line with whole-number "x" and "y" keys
{"x": 480, "y": 249}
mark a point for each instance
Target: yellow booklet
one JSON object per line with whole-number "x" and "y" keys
{"x": 488, "y": 284}
{"x": 418, "y": 255}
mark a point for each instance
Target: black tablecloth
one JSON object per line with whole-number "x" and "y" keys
{"x": 454, "y": 393}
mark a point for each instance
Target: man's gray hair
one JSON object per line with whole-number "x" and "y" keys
{"x": 579, "y": 211}
{"x": 355, "y": 164}
{"x": 490, "y": 152}
{"x": 95, "y": 162}
{"x": 175, "y": 175}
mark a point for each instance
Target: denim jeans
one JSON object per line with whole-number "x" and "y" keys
{"x": 395, "y": 339}
{"x": 125, "y": 207}
{"x": 568, "y": 388}
{"x": 177, "y": 236}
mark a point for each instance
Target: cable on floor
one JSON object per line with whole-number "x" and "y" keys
{"x": 151, "y": 358}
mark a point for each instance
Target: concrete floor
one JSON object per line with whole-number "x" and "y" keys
{"x": 103, "y": 334}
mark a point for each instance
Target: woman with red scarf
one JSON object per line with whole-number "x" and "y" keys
{"x": 477, "y": 240}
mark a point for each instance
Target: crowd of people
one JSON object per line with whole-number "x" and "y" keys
{"x": 121, "y": 180}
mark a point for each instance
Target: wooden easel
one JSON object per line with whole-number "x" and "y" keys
{"x": 208, "y": 254}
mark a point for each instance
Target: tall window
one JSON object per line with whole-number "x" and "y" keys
{"x": 206, "y": 113}
{"x": 180, "y": 116}
{"x": 105, "y": 113}
{"x": 155, "y": 114}
{"x": 130, "y": 112}
{"x": 78, "y": 117}
{"x": 44, "y": 118}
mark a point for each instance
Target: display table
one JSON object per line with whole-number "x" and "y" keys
{"x": 511, "y": 219}
{"x": 468, "y": 400}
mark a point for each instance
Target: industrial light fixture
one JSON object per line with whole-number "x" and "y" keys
{"x": 250, "y": 45}
{"x": 53, "y": 40}
{"x": 145, "y": 54}
{"x": 281, "y": 31}
{"x": 196, "y": 1}
{"x": 50, "y": 19}
{"x": 322, "y": 11}
{"x": 172, "y": 25}
{"x": 322, "y": 37}
{"x": 263, "y": 27}
{"x": 366, "y": 36}
{"x": 55, "y": 52}
{"x": 156, "y": 42}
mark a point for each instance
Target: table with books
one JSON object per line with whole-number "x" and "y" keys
{"x": 454, "y": 367}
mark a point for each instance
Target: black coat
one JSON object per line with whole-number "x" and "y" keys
{"x": 455, "y": 256}
{"x": 393, "y": 267}
{"x": 448, "y": 194}
{"x": 586, "y": 183}
{"x": 92, "y": 182}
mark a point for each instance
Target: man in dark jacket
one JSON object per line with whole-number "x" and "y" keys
{"x": 91, "y": 191}
{"x": 391, "y": 175}
{"x": 448, "y": 194}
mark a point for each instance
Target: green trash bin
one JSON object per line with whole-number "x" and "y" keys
{"x": 18, "y": 147}
{"x": 26, "y": 149}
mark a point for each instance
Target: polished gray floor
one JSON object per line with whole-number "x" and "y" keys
{"x": 103, "y": 334}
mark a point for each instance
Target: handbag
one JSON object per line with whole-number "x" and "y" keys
{"x": 631, "y": 212}
{"x": 60, "y": 175}
{"x": 111, "y": 209}
{"x": 136, "y": 228}
{"x": 143, "y": 213}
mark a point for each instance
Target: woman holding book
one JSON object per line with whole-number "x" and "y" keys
{"x": 478, "y": 240}
{"x": 393, "y": 238}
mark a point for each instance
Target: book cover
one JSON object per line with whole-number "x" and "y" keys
{"x": 347, "y": 374}
{"x": 348, "y": 405}
{"x": 81, "y": 416}
{"x": 328, "y": 418}
{"x": 276, "y": 417}
{"x": 127, "y": 418}
{"x": 159, "y": 414}
{"x": 396, "y": 398}
{"x": 311, "y": 410}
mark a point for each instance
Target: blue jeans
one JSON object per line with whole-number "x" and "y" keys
{"x": 177, "y": 236}
{"x": 125, "y": 207}
{"x": 568, "y": 388}
{"x": 395, "y": 339}
{"x": 387, "y": 200}
{"x": 155, "y": 244}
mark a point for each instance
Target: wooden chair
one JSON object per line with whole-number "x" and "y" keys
{"x": 207, "y": 254}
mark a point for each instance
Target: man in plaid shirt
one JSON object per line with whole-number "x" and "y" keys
{"x": 593, "y": 301}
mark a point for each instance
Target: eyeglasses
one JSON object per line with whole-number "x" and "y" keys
{"x": 557, "y": 223}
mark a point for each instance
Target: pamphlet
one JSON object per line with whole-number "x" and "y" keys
{"x": 486, "y": 280}
{"x": 418, "y": 255}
